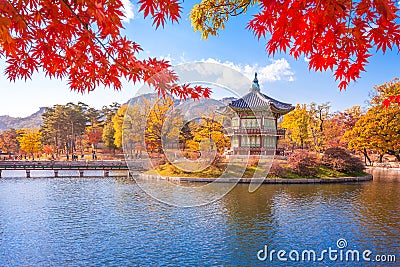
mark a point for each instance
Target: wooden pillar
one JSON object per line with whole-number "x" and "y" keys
{"x": 106, "y": 173}
{"x": 80, "y": 173}
{"x": 55, "y": 173}
{"x": 0, "y": 173}
{"x": 28, "y": 173}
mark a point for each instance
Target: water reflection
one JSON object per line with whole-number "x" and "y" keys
{"x": 87, "y": 221}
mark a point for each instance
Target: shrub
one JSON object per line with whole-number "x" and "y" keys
{"x": 277, "y": 170}
{"x": 339, "y": 159}
{"x": 303, "y": 162}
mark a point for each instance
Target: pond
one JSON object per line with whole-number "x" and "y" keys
{"x": 112, "y": 222}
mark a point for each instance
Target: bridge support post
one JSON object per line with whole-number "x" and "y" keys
{"x": 106, "y": 173}
{"x": 80, "y": 173}
{"x": 28, "y": 173}
{"x": 55, "y": 173}
{"x": 0, "y": 173}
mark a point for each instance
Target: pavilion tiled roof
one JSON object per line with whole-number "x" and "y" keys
{"x": 257, "y": 100}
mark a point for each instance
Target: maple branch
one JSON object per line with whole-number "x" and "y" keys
{"x": 19, "y": 15}
{"x": 234, "y": 8}
{"x": 86, "y": 27}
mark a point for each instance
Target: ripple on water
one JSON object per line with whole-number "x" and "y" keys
{"x": 80, "y": 222}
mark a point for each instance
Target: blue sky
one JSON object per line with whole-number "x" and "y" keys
{"x": 280, "y": 76}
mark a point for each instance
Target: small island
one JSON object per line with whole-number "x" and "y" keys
{"x": 247, "y": 148}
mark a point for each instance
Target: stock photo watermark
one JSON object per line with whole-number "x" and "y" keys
{"x": 338, "y": 253}
{"x": 154, "y": 130}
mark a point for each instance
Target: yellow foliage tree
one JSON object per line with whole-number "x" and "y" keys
{"x": 118, "y": 120}
{"x": 163, "y": 125}
{"x": 210, "y": 132}
{"x": 379, "y": 128}
{"x": 297, "y": 124}
{"x": 134, "y": 125}
{"x": 30, "y": 140}
{"x": 209, "y": 16}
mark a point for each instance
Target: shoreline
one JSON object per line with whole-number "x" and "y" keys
{"x": 118, "y": 165}
{"x": 176, "y": 179}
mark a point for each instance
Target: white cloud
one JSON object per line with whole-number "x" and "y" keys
{"x": 128, "y": 10}
{"x": 277, "y": 70}
{"x": 168, "y": 57}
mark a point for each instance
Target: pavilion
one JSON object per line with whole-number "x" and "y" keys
{"x": 254, "y": 123}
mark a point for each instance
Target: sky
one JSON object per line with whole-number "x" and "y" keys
{"x": 280, "y": 76}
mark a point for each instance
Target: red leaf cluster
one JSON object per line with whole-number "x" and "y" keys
{"x": 81, "y": 41}
{"x": 333, "y": 34}
{"x": 160, "y": 10}
{"x": 391, "y": 99}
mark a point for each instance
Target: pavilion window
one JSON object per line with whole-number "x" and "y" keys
{"x": 269, "y": 141}
{"x": 245, "y": 141}
{"x": 235, "y": 141}
{"x": 257, "y": 141}
{"x": 235, "y": 123}
{"x": 250, "y": 123}
{"x": 269, "y": 124}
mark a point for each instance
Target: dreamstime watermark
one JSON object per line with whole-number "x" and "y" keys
{"x": 340, "y": 253}
{"x": 153, "y": 130}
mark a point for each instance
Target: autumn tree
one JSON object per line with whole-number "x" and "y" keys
{"x": 213, "y": 132}
{"x": 93, "y": 136}
{"x": 82, "y": 42}
{"x": 8, "y": 141}
{"x": 93, "y": 131}
{"x": 186, "y": 134}
{"x": 134, "y": 125}
{"x": 117, "y": 121}
{"x": 30, "y": 141}
{"x": 108, "y": 112}
{"x": 335, "y": 35}
{"x": 163, "y": 124}
{"x": 319, "y": 114}
{"x": 379, "y": 128}
{"x": 297, "y": 124}
{"x": 108, "y": 136}
{"x": 62, "y": 126}
{"x": 338, "y": 124}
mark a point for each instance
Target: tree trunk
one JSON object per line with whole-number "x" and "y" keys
{"x": 380, "y": 158}
{"x": 366, "y": 156}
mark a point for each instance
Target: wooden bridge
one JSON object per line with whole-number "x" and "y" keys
{"x": 79, "y": 166}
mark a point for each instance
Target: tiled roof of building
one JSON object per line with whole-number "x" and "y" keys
{"x": 257, "y": 100}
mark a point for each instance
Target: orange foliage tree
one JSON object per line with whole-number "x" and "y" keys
{"x": 82, "y": 41}
{"x": 339, "y": 35}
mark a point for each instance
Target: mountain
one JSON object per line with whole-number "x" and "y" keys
{"x": 34, "y": 120}
{"x": 189, "y": 107}
{"x": 151, "y": 97}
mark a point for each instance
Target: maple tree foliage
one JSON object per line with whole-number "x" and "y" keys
{"x": 339, "y": 35}
{"x": 81, "y": 40}
{"x": 379, "y": 128}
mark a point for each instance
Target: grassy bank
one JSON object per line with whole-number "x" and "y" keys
{"x": 237, "y": 170}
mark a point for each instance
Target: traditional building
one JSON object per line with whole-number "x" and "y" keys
{"x": 253, "y": 123}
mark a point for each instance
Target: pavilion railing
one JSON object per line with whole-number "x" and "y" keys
{"x": 273, "y": 132}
